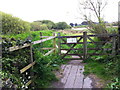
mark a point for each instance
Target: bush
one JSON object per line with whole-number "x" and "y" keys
{"x": 13, "y": 25}
{"x": 97, "y": 28}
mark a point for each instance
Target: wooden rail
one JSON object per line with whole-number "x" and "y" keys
{"x": 27, "y": 67}
{"x": 43, "y": 40}
{"x": 97, "y": 35}
{"x": 28, "y": 83}
{"x": 18, "y": 47}
{"x": 49, "y": 52}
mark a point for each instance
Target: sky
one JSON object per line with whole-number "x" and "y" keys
{"x": 54, "y": 10}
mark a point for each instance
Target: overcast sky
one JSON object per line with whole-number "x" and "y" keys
{"x": 55, "y": 10}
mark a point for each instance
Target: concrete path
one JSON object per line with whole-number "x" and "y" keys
{"x": 72, "y": 76}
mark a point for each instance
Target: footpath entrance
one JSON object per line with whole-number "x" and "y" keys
{"x": 85, "y": 45}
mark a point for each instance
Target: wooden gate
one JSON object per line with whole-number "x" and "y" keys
{"x": 85, "y": 46}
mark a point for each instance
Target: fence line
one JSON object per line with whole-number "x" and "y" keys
{"x": 32, "y": 63}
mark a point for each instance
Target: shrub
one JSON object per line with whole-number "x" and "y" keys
{"x": 13, "y": 25}
{"x": 99, "y": 28}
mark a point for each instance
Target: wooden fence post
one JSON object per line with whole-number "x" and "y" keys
{"x": 84, "y": 45}
{"x": 59, "y": 44}
{"x": 31, "y": 61}
{"x": 41, "y": 44}
{"x": 54, "y": 43}
{"x": 118, "y": 27}
{"x": 113, "y": 45}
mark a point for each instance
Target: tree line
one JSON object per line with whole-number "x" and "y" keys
{"x": 14, "y": 25}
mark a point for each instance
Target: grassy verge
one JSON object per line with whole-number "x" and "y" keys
{"x": 106, "y": 68}
{"x": 97, "y": 68}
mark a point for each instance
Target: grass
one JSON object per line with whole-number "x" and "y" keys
{"x": 36, "y": 34}
{"x": 97, "y": 68}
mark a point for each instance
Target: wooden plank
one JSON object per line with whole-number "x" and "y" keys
{"x": 85, "y": 45}
{"x": 99, "y": 35}
{"x": 27, "y": 67}
{"x": 18, "y": 47}
{"x": 73, "y": 49}
{"x": 100, "y": 42}
{"x": 43, "y": 40}
{"x": 71, "y": 78}
{"x": 74, "y": 54}
{"x": 49, "y": 52}
{"x": 97, "y": 54}
{"x": 45, "y": 36}
{"x": 72, "y": 43}
{"x": 66, "y": 73}
{"x": 28, "y": 83}
{"x": 46, "y": 48}
{"x": 73, "y": 58}
{"x": 79, "y": 77}
{"x": 69, "y": 36}
{"x": 95, "y": 48}
{"x": 103, "y": 35}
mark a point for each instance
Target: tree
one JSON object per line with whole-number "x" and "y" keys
{"x": 62, "y": 25}
{"x": 94, "y": 7}
{"x": 35, "y": 26}
{"x": 76, "y": 24}
{"x": 50, "y": 24}
{"x": 71, "y": 24}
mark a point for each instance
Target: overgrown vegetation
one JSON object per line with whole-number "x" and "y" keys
{"x": 14, "y": 61}
{"x": 105, "y": 66}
